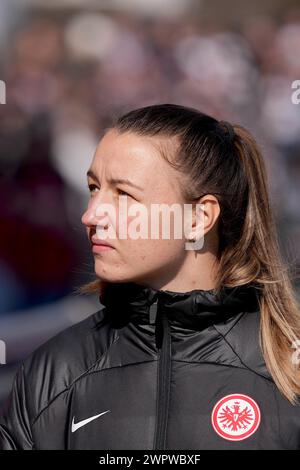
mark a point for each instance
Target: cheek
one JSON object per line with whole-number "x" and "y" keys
{"x": 145, "y": 222}
{"x": 123, "y": 223}
{"x": 154, "y": 251}
{"x": 147, "y": 252}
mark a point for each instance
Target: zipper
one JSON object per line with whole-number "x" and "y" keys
{"x": 163, "y": 343}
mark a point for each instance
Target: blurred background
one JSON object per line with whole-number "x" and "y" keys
{"x": 69, "y": 66}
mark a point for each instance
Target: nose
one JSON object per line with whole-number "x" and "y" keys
{"x": 89, "y": 218}
{"x": 93, "y": 215}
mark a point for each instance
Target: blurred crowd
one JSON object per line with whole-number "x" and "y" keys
{"x": 67, "y": 75}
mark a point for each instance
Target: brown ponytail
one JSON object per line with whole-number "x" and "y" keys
{"x": 256, "y": 256}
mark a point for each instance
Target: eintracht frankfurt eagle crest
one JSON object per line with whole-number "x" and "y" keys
{"x": 235, "y": 417}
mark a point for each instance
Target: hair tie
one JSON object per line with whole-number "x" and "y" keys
{"x": 230, "y": 132}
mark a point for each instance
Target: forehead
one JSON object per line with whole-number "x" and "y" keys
{"x": 128, "y": 154}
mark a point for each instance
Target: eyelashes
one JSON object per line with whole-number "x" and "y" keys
{"x": 92, "y": 187}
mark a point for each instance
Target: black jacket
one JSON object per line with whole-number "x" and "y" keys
{"x": 153, "y": 370}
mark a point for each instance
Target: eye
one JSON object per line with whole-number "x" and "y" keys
{"x": 92, "y": 187}
{"x": 120, "y": 191}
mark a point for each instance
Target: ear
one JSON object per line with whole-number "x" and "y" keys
{"x": 205, "y": 213}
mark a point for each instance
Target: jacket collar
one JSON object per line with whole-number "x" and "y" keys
{"x": 196, "y": 309}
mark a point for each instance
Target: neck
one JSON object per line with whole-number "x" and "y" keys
{"x": 198, "y": 271}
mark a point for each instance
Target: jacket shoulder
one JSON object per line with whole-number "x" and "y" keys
{"x": 55, "y": 365}
{"x": 242, "y": 338}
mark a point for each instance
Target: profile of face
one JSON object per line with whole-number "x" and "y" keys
{"x": 149, "y": 260}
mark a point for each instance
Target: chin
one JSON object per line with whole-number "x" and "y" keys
{"x": 110, "y": 276}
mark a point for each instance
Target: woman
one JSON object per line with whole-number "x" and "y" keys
{"x": 194, "y": 346}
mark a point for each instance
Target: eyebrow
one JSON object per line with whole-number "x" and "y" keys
{"x": 116, "y": 180}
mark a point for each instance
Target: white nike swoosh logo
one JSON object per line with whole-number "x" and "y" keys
{"x": 85, "y": 421}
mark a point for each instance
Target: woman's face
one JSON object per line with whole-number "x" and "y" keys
{"x": 150, "y": 261}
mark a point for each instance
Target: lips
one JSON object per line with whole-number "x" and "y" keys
{"x": 99, "y": 242}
